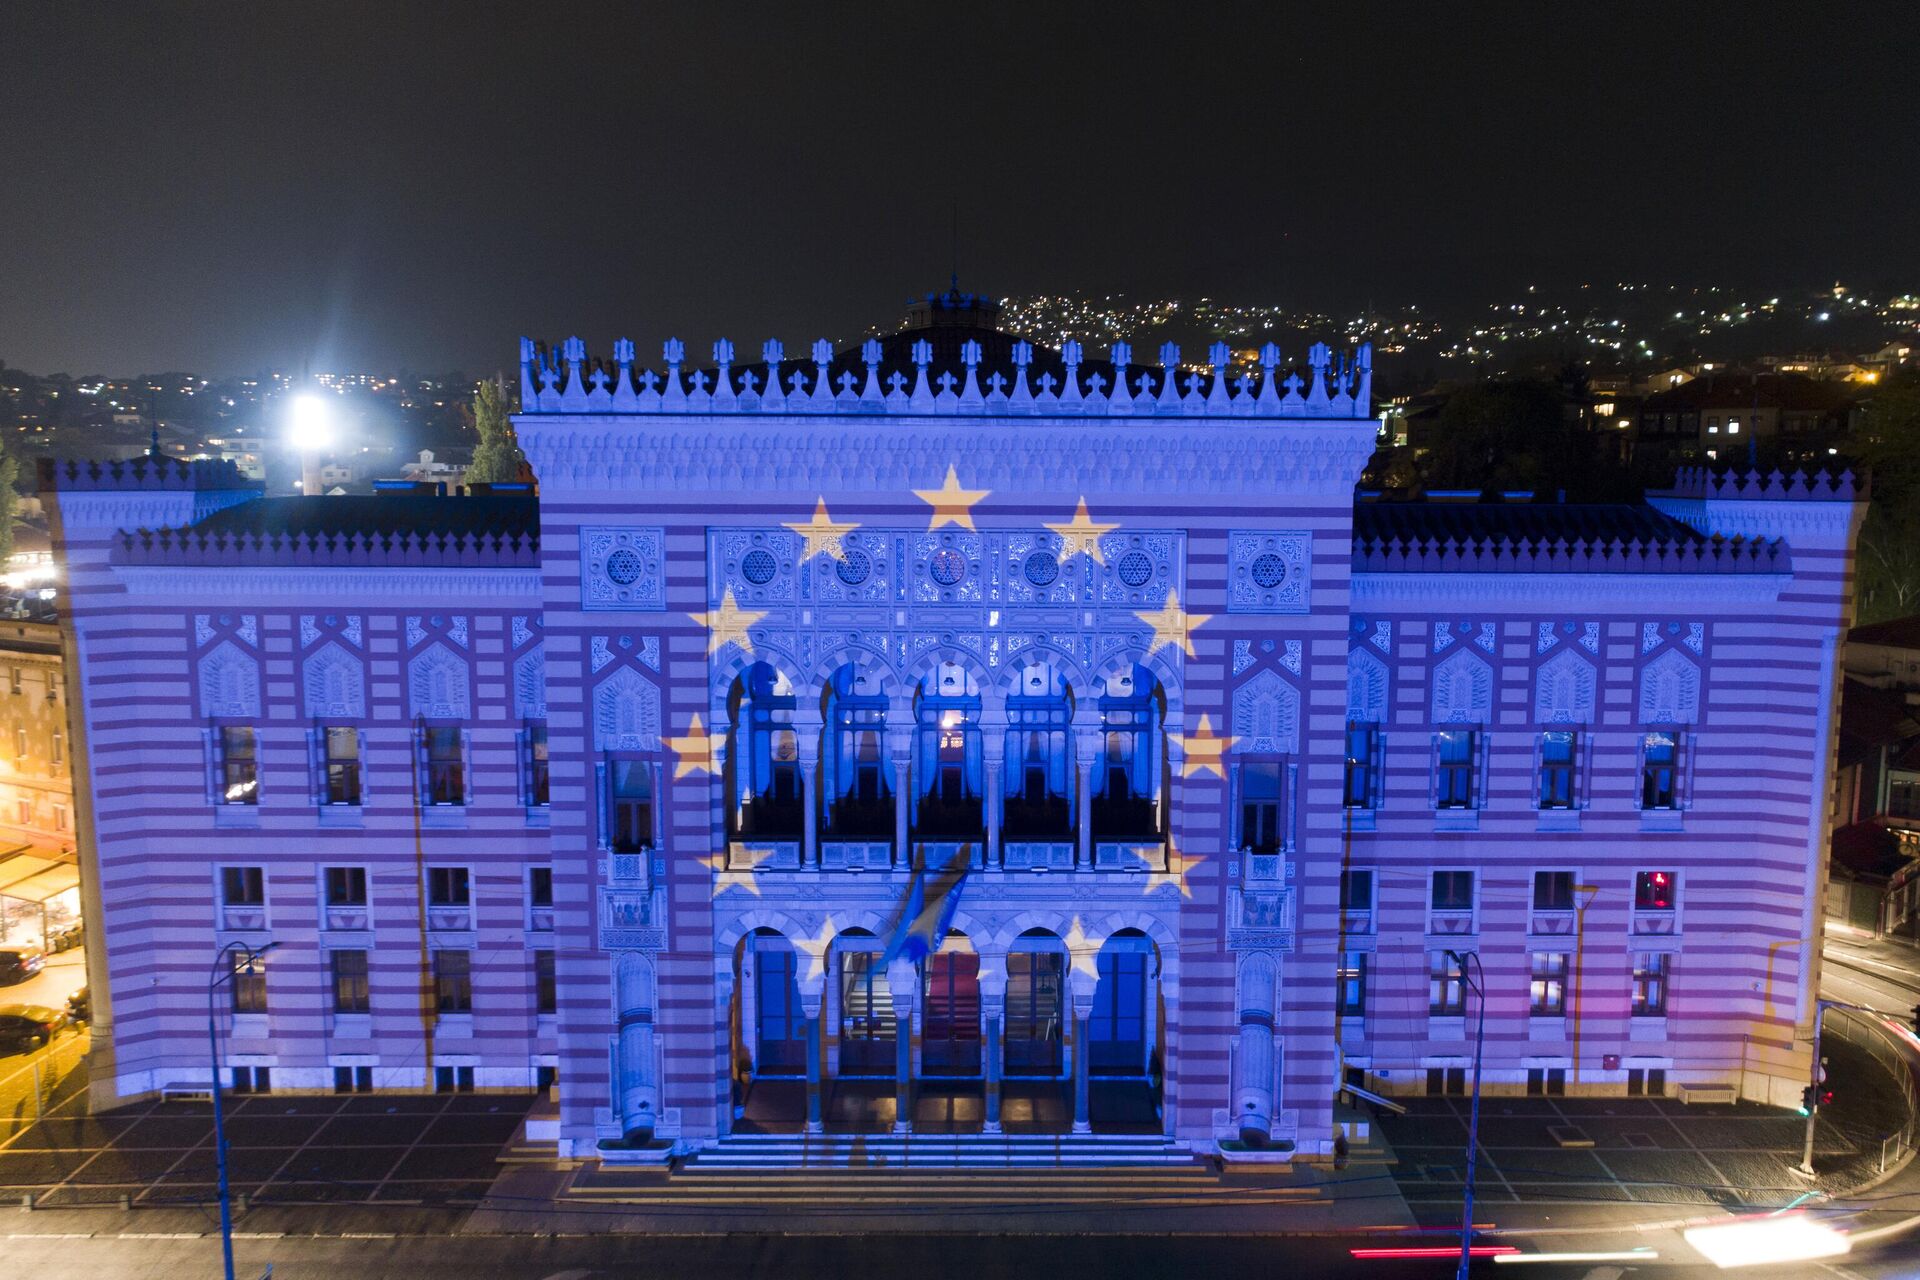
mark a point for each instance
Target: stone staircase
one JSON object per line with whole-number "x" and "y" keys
{"x": 887, "y": 1152}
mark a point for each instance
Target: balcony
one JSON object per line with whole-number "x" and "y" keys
{"x": 450, "y": 919}
{"x": 944, "y": 853}
{"x": 1030, "y": 855}
{"x": 1656, "y": 923}
{"x": 347, "y": 918}
{"x": 764, "y": 855}
{"x": 1551, "y": 923}
{"x": 244, "y": 919}
{"x": 1451, "y": 923}
{"x": 856, "y": 855}
{"x": 1130, "y": 855}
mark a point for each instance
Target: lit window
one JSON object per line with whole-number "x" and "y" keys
{"x": 1659, "y": 771}
{"x": 1363, "y": 741}
{"x": 1454, "y": 781}
{"x": 239, "y": 776}
{"x": 1260, "y": 806}
{"x": 1549, "y": 985}
{"x": 630, "y": 806}
{"x": 1655, "y": 890}
{"x": 1446, "y": 985}
{"x": 342, "y": 766}
{"x": 1651, "y": 973}
{"x": 1353, "y": 984}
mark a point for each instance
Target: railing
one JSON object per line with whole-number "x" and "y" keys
{"x": 1897, "y": 1056}
{"x": 1031, "y": 855}
{"x": 856, "y": 855}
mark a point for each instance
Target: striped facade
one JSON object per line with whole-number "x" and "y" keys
{"x": 668, "y": 589}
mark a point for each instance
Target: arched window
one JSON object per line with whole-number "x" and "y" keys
{"x": 765, "y": 757}
{"x": 1038, "y": 781}
{"x": 853, "y": 759}
{"x": 947, "y": 756}
{"x": 1128, "y": 799}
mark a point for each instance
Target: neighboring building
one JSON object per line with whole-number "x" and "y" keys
{"x": 39, "y": 868}
{"x": 1719, "y": 413}
{"x": 1876, "y": 841}
{"x": 624, "y": 784}
{"x": 429, "y": 470}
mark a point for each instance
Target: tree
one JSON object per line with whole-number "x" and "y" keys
{"x": 1507, "y": 435}
{"x": 497, "y": 458}
{"x": 1888, "y": 443}
{"x": 9, "y": 499}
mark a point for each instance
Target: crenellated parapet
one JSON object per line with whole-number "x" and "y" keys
{"x": 1822, "y": 486}
{"x": 142, "y": 475}
{"x": 1034, "y": 382}
{"x": 1576, "y": 555}
{"x": 194, "y": 548}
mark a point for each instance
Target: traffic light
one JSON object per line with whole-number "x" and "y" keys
{"x": 1806, "y": 1101}
{"x": 1916, "y": 1019}
{"x": 1824, "y": 1096}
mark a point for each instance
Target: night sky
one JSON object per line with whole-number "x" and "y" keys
{"x": 223, "y": 187}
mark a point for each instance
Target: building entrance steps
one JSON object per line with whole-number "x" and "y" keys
{"x": 888, "y": 1152}
{"x": 868, "y": 1106}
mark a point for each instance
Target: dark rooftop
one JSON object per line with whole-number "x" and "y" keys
{"x": 382, "y": 514}
{"x": 1896, "y": 633}
{"x": 1461, "y": 521}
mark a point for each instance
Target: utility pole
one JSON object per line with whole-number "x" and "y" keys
{"x": 1468, "y": 961}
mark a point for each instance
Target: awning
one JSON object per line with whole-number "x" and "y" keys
{"x": 36, "y": 872}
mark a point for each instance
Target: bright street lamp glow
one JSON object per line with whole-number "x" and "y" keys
{"x": 1794, "y": 1238}
{"x": 309, "y": 424}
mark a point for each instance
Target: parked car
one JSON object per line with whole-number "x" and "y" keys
{"x": 80, "y": 1006}
{"x": 17, "y": 964}
{"x": 24, "y": 1027}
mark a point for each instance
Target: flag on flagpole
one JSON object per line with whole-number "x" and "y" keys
{"x": 921, "y": 920}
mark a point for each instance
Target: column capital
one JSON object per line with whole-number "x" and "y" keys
{"x": 993, "y": 981}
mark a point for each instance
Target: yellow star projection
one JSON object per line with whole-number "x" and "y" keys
{"x": 1082, "y": 534}
{"x": 1172, "y": 625}
{"x": 694, "y": 752}
{"x": 822, "y": 534}
{"x": 1182, "y": 865}
{"x": 1081, "y": 951}
{"x": 817, "y": 949}
{"x": 1205, "y": 751}
{"x": 951, "y": 504}
{"x": 728, "y": 625}
{"x": 736, "y": 873}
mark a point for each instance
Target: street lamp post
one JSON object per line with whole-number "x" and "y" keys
{"x": 224, "y": 964}
{"x": 1468, "y": 961}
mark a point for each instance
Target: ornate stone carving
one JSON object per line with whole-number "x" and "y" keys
{"x": 1670, "y": 690}
{"x": 1462, "y": 690}
{"x": 620, "y": 568}
{"x": 437, "y": 685}
{"x": 1268, "y": 571}
{"x": 626, "y": 713}
{"x": 335, "y": 684}
{"x": 1266, "y": 715}
{"x": 1563, "y": 690}
{"x": 229, "y": 684}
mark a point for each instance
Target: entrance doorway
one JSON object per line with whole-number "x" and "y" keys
{"x": 780, "y": 1027}
{"x": 1036, "y": 983}
{"x": 950, "y": 1023}
{"x": 1117, "y": 1031}
{"x": 867, "y": 1024}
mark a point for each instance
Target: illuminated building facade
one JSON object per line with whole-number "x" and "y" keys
{"x": 625, "y": 786}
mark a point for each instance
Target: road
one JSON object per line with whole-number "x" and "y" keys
{"x": 64, "y": 972}
{"x": 1884, "y": 976}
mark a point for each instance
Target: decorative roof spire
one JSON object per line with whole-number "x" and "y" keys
{"x": 1169, "y": 370}
{"x": 1022, "y": 399}
{"x": 1317, "y": 357}
{"x": 1218, "y": 401}
{"x": 724, "y": 400}
{"x": 529, "y": 397}
{"x": 674, "y": 398}
{"x": 971, "y": 401}
{"x": 624, "y": 401}
{"x": 871, "y": 396}
{"x": 1269, "y": 392}
{"x": 1120, "y": 399}
{"x": 574, "y": 397}
{"x": 822, "y": 389}
{"x": 774, "y": 399}
{"x": 922, "y": 400}
{"x": 1071, "y": 401}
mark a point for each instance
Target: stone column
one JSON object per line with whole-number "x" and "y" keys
{"x": 900, "y": 747}
{"x": 993, "y": 752}
{"x": 811, "y": 990}
{"x": 1253, "y": 1056}
{"x": 1087, "y": 747}
{"x": 903, "y": 984}
{"x": 993, "y": 1012}
{"x": 639, "y": 1092}
{"x": 1082, "y": 978}
{"x": 806, "y": 735}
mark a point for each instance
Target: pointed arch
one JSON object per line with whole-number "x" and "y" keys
{"x": 1462, "y": 690}
{"x": 335, "y": 684}
{"x": 1266, "y": 714}
{"x": 1366, "y": 687}
{"x": 626, "y": 713}
{"x": 1563, "y": 690}
{"x": 437, "y": 685}
{"x": 229, "y": 684}
{"x": 1670, "y": 690}
{"x": 530, "y": 684}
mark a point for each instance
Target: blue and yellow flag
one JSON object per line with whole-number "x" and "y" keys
{"x": 921, "y": 921}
